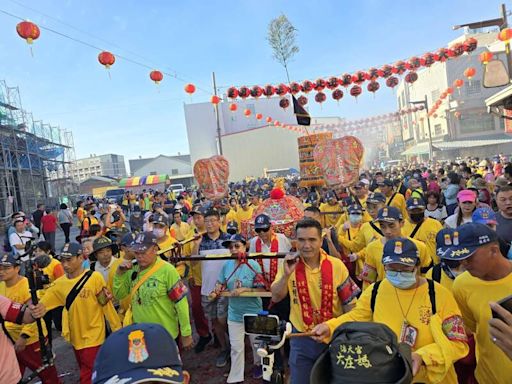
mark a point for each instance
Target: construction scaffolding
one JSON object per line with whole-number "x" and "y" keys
{"x": 35, "y": 158}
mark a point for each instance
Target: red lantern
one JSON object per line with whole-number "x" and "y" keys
{"x": 244, "y": 92}
{"x": 307, "y": 86}
{"x": 442, "y": 55}
{"x": 355, "y": 91}
{"x": 259, "y": 116}
{"x": 400, "y": 67}
{"x": 470, "y": 72}
{"x": 457, "y": 114}
{"x": 414, "y": 62}
{"x": 505, "y": 35}
{"x": 346, "y": 79}
{"x": 282, "y": 90}
{"x": 107, "y": 59}
{"x": 215, "y": 99}
{"x": 470, "y": 44}
{"x": 392, "y": 82}
{"x": 458, "y": 49}
{"x": 359, "y": 77}
{"x": 332, "y": 83}
{"x": 28, "y": 30}
{"x": 233, "y": 107}
{"x": 374, "y": 73}
{"x": 303, "y": 100}
{"x": 284, "y": 103}
{"x": 277, "y": 123}
{"x": 269, "y": 90}
{"x": 256, "y": 91}
{"x": 337, "y": 95}
{"x": 320, "y": 85}
{"x": 443, "y": 95}
{"x": 485, "y": 57}
{"x": 428, "y": 59}
{"x": 458, "y": 83}
{"x": 268, "y": 119}
{"x": 295, "y": 88}
{"x": 373, "y": 86}
{"x": 156, "y": 76}
{"x": 387, "y": 70}
{"x": 320, "y": 97}
{"x": 190, "y": 88}
{"x": 247, "y": 112}
{"x": 411, "y": 77}
{"x": 232, "y": 92}
{"x": 449, "y": 90}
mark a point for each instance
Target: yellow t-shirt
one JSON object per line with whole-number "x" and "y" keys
{"x": 445, "y": 280}
{"x": 231, "y": 216}
{"x": 88, "y": 221}
{"x": 473, "y": 296}
{"x": 347, "y": 236}
{"x": 331, "y": 214}
{"x": 20, "y": 293}
{"x": 181, "y": 230}
{"x": 398, "y": 202}
{"x": 426, "y": 234}
{"x": 54, "y": 270}
{"x": 86, "y": 318}
{"x": 373, "y": 269}
{"x": 313, "y": 278}
{"x": 364, "y": 236}
{"x": 390, "y": 305}
{"x": 243, "y": 215}
{"x": 166, "y": 243}
{"x": 80, "y": 214}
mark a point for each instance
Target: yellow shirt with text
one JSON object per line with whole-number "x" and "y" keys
{"x": 398, "y": 202}
{"x": 426, "y": 233}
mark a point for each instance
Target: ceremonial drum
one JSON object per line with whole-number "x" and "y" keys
{"x": 310, "y": 173}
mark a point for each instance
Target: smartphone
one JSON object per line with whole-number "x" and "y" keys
{"x": 267, "y": 325}
{"x": 505, "y": 303}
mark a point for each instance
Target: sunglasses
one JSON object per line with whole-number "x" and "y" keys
{"x": 260, "y": 230}
{"x": 236, "y": 246}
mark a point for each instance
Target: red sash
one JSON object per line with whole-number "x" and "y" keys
{"x": 274, "y": 247}
{"x": 310, "y": 316}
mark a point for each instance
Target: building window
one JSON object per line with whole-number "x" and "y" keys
{"x": 174, "y": 171}
{"x": 438, "y": 130}
{"x": 472, "y": 87}
{"x": 435, "y": 95}
{"x": 473, "y": 123}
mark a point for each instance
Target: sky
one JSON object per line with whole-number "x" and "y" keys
{"x": 63, "y": 84}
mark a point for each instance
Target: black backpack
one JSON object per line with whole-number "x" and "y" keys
{"x": 363, "y": 353}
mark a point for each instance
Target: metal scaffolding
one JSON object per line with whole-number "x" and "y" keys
{"x": 35, "y": 158}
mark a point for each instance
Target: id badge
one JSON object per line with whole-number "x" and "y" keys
{"x": 408, "y": 334}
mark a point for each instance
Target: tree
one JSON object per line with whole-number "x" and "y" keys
{"x": 281, "y": 37}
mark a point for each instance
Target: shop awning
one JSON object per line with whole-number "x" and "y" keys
{"x": 422, "y": 148}
{"x": 419, "y": 149}
{"x": 143, "y": 180}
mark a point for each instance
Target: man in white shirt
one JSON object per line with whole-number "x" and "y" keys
{"x": 20, "y": 237}
{"x": 102, "y": 257}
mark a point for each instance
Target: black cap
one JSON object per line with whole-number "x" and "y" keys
{"x": 233, "y": 239}
{"x": 103, "y": 242}
{"x": 262, "y": 222}
{"x": 70, "y": 250}
{"x": 143, "y": 241}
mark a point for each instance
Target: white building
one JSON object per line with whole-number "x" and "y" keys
{"x": 250, "y": 145}
{"x": 161, "y": 164}
{"x": 462, "y": 126}
{"x": 110, "y": 165}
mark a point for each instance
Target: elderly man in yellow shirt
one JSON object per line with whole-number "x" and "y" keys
{"x": 320, "y": 289}
{"x": 422, "y": 313}
{"x": 488, "y": 278}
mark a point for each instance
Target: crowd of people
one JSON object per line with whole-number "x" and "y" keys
{"x": 425, "y": 250}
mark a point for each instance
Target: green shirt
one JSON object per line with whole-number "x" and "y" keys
{"x": 151, "y": 303}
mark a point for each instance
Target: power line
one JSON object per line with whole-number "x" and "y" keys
{"x": 87, "y": 44}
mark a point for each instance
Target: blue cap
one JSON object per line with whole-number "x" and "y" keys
{"x": 468, "y": 238}
{"x": 198, "y": 209}
{"x": 389, "y": 214}
{"x": 386, "y": 182}
{"x": 415, "y": 203}
{"x": 9, "y": 260}
{"x": 233, "y": 239}
{"x": 127, "y": 239}
{"x": 376, "y": 198}
{"x": 70, "y": 250}
{"x": 355, "y": 209}
{"x": 484, "y": 216}
{"x": 159, "y": 219}
{"x": 232, "y": 225}
{"x": 262, "y": 222}
{"x": 330, "y": 195}
{"x": 143, "y": 241}
{"x": 444, "y": 240}
{"x": 400, "y": 251}
{"x": 138, "y": 353}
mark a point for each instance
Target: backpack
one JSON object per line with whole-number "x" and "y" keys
{"x": 361, "y": 352}
{"x": 431, "y": 295}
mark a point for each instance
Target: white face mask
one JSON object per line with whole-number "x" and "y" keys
{"x": 355, "y": 219}
{"x": 159, "y": 232}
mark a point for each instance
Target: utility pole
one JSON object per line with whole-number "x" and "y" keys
{"x": 216, "y": 107}
{"x": 430, "y": 147}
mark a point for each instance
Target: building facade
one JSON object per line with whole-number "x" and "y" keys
{"x": 161, "y": 164}
{"x": 462, "y": 121}
{"x": 110, "y": 165}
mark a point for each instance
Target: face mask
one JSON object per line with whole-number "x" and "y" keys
{"x": 355, "y": 219}
{"x": 417, "y": 217}
{"x": 231, "y": 231}
{"x": 159, "y": 232}
{"x": 136, "y": 214}
{"x": 402, "y": 280}
{"x": 451, "y": 273}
